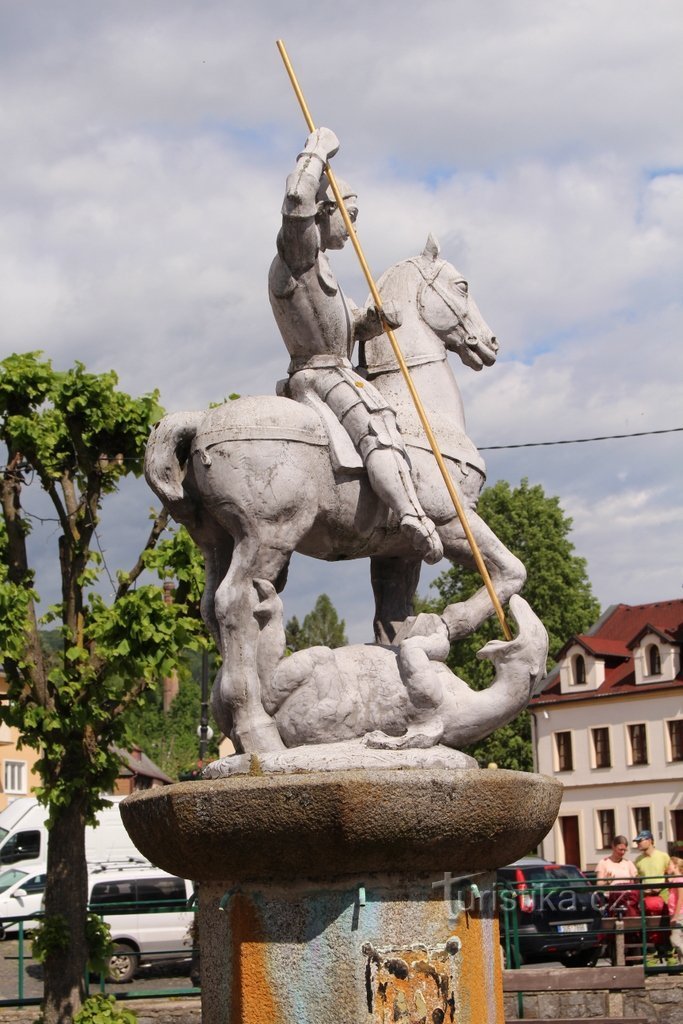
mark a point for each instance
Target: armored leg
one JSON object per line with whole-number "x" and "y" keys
{"x": 390, "y": 479}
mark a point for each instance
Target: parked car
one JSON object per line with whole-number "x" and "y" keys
{"x": 21, "y": 894}
{"x": 553, "y": 909}
{"x": 148, "y": 915}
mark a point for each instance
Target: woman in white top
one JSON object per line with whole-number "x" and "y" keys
{"x": 615, "y": 870}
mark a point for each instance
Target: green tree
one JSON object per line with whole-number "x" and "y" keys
{"x": 321, "y": 628}
{"x": 534, "y": 527}
{"x": 170, "y": 738}
{"x": 77, "y": 436}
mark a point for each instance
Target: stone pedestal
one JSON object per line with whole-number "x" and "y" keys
{"x": 347, "y": 897}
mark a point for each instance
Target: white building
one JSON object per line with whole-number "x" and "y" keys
{"x": 609, "y": 726}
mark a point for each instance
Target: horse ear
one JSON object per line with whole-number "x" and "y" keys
{"x": 431, "y": 249}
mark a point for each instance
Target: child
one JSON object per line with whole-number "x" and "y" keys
{"x": 675, "y": 874}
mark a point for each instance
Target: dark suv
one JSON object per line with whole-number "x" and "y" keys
{"x": 551, "y": 911}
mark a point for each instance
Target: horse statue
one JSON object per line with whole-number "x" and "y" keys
{"x": 257, "y": 478}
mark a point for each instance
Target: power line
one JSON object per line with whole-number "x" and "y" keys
{"x": 496, "y": 447}
{"x": 576, "y": 440}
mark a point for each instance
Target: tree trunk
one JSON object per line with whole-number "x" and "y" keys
{"x": 66, "y": 896}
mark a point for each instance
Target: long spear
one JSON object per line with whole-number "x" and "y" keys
{"x": 457, "y": 504}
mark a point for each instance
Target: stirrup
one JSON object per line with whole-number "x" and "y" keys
{"x": 423, "y": 536}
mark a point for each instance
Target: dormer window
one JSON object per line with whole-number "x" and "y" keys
{"x": 579, "y": 670}
{"x": 654, "y": 661}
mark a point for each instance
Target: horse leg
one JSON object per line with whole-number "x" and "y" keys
{"x": 394, "y": 584}
{"x": 217, "y": 558}
{"x": 507, "y": 573}
{"x": 236, "y": 698}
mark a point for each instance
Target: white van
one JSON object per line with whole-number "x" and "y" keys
{"x": 148, "y": 913}
{"x": 23, "y": 835}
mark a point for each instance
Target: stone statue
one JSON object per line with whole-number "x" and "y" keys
{"x": 320, "y": 326}
{"x": 343, "y": 471}
{"x": 388, "y": 698}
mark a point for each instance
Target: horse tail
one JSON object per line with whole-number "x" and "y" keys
{"x": 166, "y": 458}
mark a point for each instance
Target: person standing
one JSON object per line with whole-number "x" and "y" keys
{"x": 676, "y": 905}
{"x": 653, "y": 866}
{"x": 616, "y": 870}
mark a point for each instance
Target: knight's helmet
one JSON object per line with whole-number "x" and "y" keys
{"x": 326, "y": 195}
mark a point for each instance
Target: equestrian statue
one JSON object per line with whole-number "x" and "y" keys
{"x": 337, "y": 465}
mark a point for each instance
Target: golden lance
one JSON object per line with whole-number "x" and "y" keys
{"x": 457, "y": 504}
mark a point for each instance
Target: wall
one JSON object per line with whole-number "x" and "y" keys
{"x": 149, "y": 1011}
{"x": 620, "y": 787}
{"x": 660, "y": 1001}
{"x": 9, "y": 752}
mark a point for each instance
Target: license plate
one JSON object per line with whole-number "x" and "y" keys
{"x": 563, "y": 928}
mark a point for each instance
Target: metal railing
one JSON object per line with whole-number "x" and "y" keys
{"x": 624, "y": 929}
{"x": 20, "y": 974}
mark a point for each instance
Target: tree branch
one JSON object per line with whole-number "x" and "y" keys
{"x": 158, "y": 527}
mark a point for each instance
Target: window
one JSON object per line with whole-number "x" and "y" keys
{"x": 158, "y": 892}
{"x": 15, "y": 777}
{"x": 579, "y": 670}
{"x": 35, "y": 884}
{"x": 601, "y": 748}
{"x": 654, "y": 662}
{"x": 606, "y": 827}
{"x": 638, "y": 741}
{"x": 676, "y": 738}
{"x": 641, "y": 819}
{"x": 23, "y": 845}
{"x": 563, "y": 743}
{"x": 121, "y": 891}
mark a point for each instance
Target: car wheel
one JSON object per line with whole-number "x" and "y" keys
{"x": 122, "y": 964}
{"x": 581, "y": 957}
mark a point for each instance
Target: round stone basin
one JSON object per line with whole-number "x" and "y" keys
{"x": 324, "y": 825}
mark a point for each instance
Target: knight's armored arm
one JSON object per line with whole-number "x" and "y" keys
{"x": 367, "y": 323}
{"x": 298, "y": 241}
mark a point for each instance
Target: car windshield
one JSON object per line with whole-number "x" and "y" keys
{"x": 3, "y": 832}
{"x": 9, "y": 877}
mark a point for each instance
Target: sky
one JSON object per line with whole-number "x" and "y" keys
{"x": 145, "y": 149}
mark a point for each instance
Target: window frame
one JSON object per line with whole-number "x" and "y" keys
{"x": 579, "y": 672}
{"x": 606, "y": 828}
{"x": 653, "y": 659}
{"x": 643, "y": 758}
{"x": 642, "y": 819}
{"x": 9, "y": 767}
{"x": 674, "y": 744}
{"x": 564, "y": 763}
{"x": 596, "y": 752}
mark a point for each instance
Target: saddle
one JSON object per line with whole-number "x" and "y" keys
{"x": 343, "y": 453}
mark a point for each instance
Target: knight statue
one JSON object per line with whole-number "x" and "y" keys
{"x": 320, "y": 327}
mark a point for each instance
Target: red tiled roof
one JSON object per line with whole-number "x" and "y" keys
{"x": 626, "y": 620}
{"x": 612, "y": 639}
{"x": 599, "y": 647}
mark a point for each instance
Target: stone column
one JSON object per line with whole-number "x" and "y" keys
{"x": 353, "y": 897}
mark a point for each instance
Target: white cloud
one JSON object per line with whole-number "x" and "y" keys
{"x": 145, "y": 151}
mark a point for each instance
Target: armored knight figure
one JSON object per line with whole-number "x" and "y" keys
{"x": 320, "y": 327}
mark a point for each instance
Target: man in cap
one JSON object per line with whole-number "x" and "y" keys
{"x": 652, "y": 866}
{"x": 320, "y": 326}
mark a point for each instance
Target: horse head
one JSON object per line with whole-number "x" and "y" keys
{"x": 446, "y": 307}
